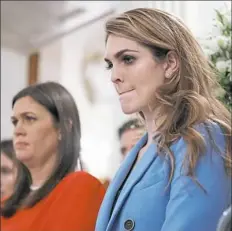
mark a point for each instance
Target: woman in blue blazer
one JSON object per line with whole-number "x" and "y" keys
{"x": 177, "y": 177}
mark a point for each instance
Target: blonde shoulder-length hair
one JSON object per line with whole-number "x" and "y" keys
{"x": 188, "y": 97}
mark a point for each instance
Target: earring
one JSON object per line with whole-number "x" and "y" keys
{"x": 168, "y": 75}
{"x": 59, "y": 136}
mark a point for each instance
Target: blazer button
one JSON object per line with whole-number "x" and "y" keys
{"x": 129, "y": 224}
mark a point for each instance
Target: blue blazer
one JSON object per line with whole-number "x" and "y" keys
{"x": 145, "y": 204}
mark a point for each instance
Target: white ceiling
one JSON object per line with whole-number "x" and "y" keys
{"x": 27, "y": 25}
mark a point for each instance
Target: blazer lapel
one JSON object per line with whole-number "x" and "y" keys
{"x": 133, "y": 179}
{"x": 106, "y": 207}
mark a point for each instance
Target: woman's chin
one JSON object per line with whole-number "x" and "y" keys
{"x": 127, "y": 109}
{"x": 23, "y": 156}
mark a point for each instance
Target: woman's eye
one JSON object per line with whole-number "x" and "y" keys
{"x": 109, "y": 65}
{"x": 5, "y": 170}
{"x": 128, "y": 59}
{"x": 30, "y": 118}
{"x": 14, "y": 122}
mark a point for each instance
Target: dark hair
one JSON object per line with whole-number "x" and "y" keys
{"x": 59, "y": 102}
{"x": 8, "y": 149}
{"x": 130, "y": 124}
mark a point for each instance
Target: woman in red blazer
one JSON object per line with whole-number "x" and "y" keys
{"x": 49, "y": 194}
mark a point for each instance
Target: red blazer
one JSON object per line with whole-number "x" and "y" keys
{"x": 72, "y": 206}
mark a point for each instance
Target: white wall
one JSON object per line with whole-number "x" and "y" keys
{"x": 50, "y": 62}
{"x": 13, "y": 79}
{"x": 197, "y": 15}
{"x": 201, "y": 14}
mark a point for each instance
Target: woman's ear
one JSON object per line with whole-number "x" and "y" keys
{"x": 171, "y": 64}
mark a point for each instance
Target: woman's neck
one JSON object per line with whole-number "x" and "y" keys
{"x": 150, "y": 121}
{"x": 41, "y": 173}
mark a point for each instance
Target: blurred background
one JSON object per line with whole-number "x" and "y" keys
{"x": 63, "y": 41}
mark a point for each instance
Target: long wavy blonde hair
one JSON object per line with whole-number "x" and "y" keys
{"x": 186, "y": 99}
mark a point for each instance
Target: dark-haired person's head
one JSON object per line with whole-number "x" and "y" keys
{"x": 46, "y": 139}
{"x": 129, "y": 133}
{"x": 8, "y": 168}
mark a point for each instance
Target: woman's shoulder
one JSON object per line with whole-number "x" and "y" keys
{"x": 80, "y": 180}
{"x": 80, "y": 175}
{"x": 213, "y": 135}
{"x": 213, "y": 141}
{"x": 76, "y": 187}
{"x": 212, "y": 127}
{"x": 210, "y": 131}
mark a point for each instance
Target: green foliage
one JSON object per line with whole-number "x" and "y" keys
{"x": 220, "y": 54}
